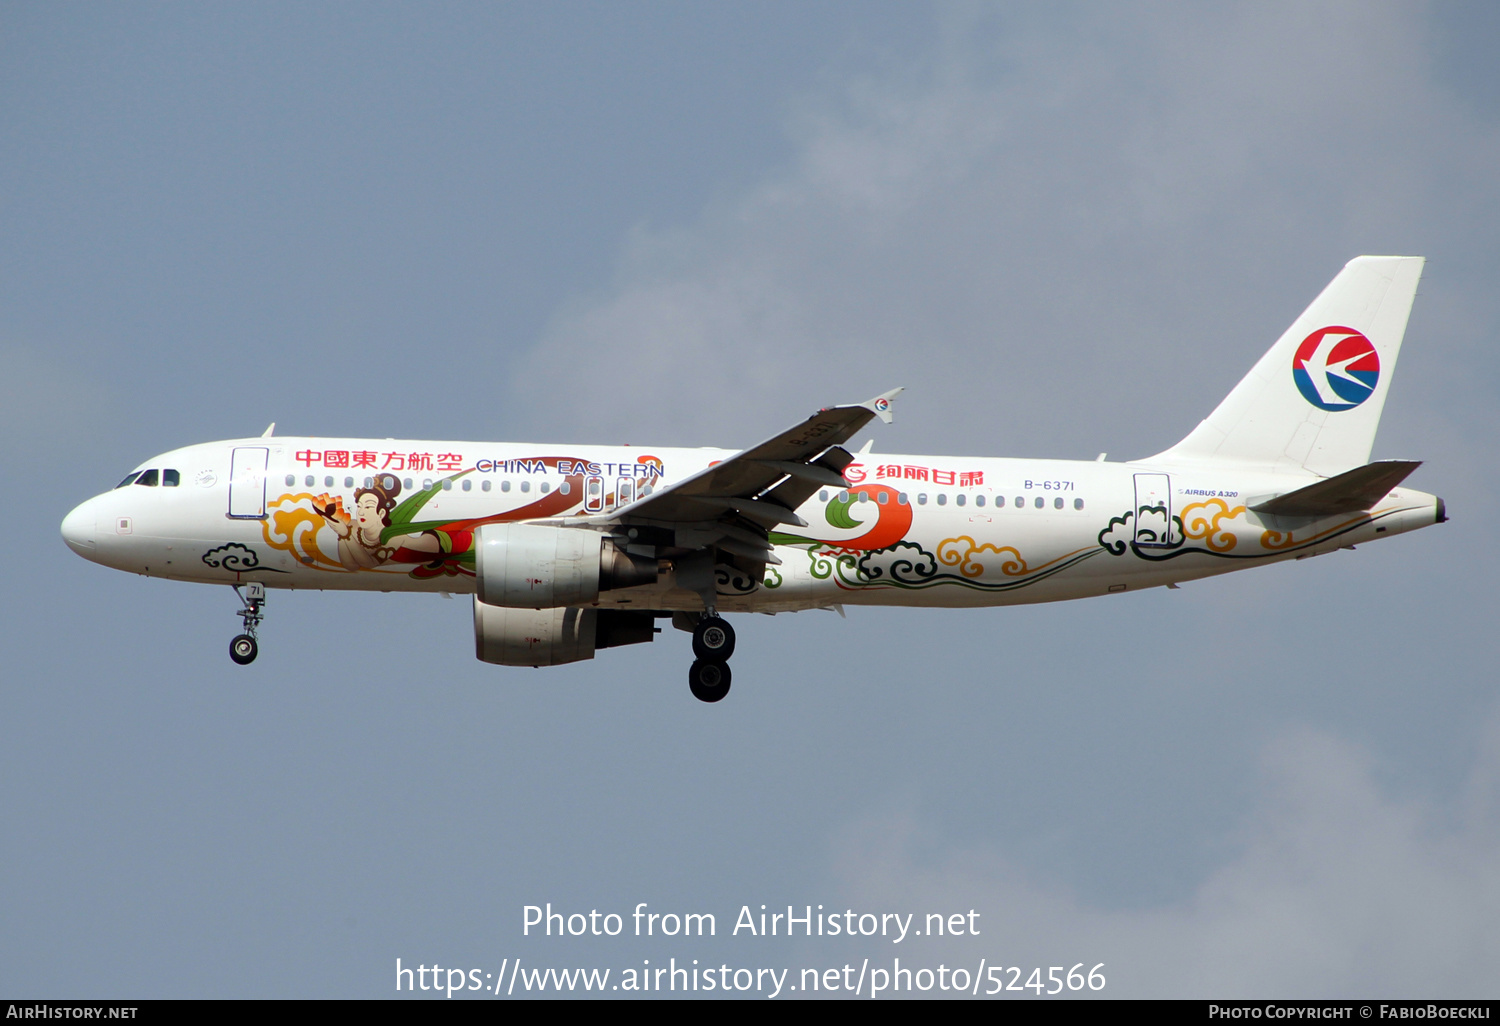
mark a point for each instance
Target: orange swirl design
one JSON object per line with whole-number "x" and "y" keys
{"x": 960, "y": 552}
{"x": 1201, "y": 520}
{"x": 1276, "y": 540}
{"x": 293, "y": 527}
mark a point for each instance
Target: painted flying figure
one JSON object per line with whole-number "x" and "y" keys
{"x": 572, "y": 549}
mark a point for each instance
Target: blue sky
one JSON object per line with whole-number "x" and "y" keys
{"x": 1066, "y": 229}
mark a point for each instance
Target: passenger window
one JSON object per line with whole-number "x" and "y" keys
{"x": 545, "y": 487}
{"x": 883, "y": 498}
{"x": 844, "y": 495}
{"x": 823, "y": 495}
{"x": 468, "y": 484}
{"x": 405, "y": 483}
{"x": 426, "y": 484}
{"x": 348, "y": 482}
{"x": 169, "y": 479}
{"x": 961, "y": 498}
{"x": 1040, "y": 502}
{"x": 1020, "y": 502}
{"x": 505, "y": 486}
{"x": 999, "y": 501}
{"x": 1057, "y": 503}
{"x": 447, "y": 485}
{"x": 566, "y": 487}
{"x": 942, "y": 498}
{"x": 901, "y": 497}
{"x": 369, "y": 482}
{"x": 525, "y": 486}
{"x": 979, "y": 500}
{"x": 484, "y": 485}
{"x": 128, "y": 479}
{"x": 1078, "y": 504}
{"x": 328, "y": 481}
{"x": 921, "y": 498}
{"x": 864, "y": 496}
{"x": 147, "y": 478}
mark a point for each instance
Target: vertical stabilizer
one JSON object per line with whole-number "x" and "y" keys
{"x": 1313, "y": 402}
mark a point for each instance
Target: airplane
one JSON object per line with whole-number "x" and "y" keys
{"x": 569, "y": 549}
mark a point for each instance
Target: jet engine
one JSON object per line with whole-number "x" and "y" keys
{"x": 548, "y": 637}
{"x": 533, "y": 566}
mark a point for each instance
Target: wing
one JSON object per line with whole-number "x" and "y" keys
{"x": 734, "y": 504}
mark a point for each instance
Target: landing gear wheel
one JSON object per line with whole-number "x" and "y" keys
{"x": 709, "y": 680}
{"x": 243, "y": 649}
{"x": 713, "y": 639}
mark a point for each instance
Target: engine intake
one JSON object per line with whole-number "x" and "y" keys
{"x": 533, "y": 566}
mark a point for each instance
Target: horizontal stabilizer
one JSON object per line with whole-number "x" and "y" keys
{"x": 1350, "y": 492}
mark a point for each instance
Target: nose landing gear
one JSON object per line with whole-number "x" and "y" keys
{"x": 713, "y": 644}
{"x": 244, "y": 648}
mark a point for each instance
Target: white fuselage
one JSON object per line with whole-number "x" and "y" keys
{"x": 907, "y": 530}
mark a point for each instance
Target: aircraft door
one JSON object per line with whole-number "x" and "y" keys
{"x": 1153, "y": 511}
{"x": 247, "y": 483}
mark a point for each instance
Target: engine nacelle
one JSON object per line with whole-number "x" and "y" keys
{"x": 549, "y": 637}
{"x": 533, "y": 566}
{"x": 533, "y": 637}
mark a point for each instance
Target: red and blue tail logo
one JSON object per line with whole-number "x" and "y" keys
{"x": 1336, "y": 368}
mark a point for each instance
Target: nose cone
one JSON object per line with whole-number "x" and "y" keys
{"x": 78, "y": 530}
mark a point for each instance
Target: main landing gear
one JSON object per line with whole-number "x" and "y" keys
{"x": 244, "y": 648}
{"x": 713, "y": 644}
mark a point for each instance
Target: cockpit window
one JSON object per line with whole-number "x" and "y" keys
{"x": 128, "y": 479}
{"x": 148, "y": 479}
{"x": 169, "y": 479}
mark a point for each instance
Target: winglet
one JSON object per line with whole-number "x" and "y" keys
{"x": 268, "y": 432}
{"x": 881, "y": 404}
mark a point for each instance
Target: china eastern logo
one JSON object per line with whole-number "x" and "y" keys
{"x": 1336, "y": 368}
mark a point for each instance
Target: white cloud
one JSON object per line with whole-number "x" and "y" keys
{"x": 1338, "y": 888}
{"x": 1034, "y": 227}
